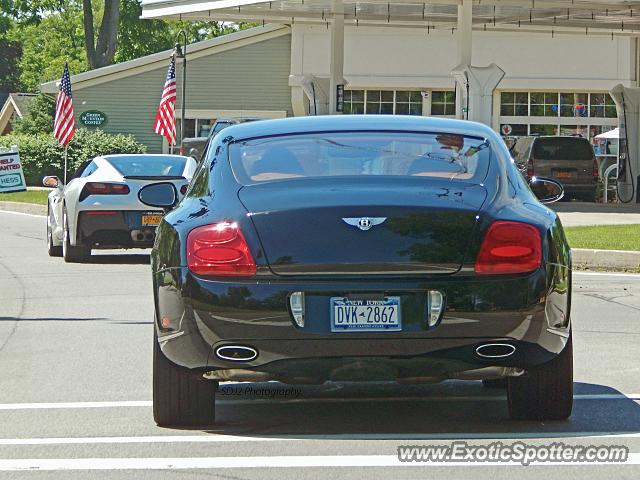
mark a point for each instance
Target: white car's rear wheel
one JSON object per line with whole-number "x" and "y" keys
{"x": 72, "y": 253}
{"x": 52, "y": 250}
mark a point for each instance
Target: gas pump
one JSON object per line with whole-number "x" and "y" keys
{"x": 627, "y": 101}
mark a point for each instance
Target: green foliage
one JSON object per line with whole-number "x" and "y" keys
{"x": 38, "y": 197}
{"x": 42, "y": 34}
{"x": 46, "y": 45}
{"x": 604, "y": 237}
{"x": 137, "y": 38}
{"x": 41, "y": 154}
{"x": 40, "y": 116}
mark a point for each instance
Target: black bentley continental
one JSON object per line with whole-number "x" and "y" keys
{"x": 360, "y": 248}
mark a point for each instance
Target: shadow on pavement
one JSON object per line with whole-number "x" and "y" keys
{"x": 452, "y": 409}
{"x": 126, "y": 259}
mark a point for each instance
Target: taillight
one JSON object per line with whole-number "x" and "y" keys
{"x": 595, "y": 173}
{"x": 183, "y": 189}
{"x": 219, "y": 249}
{"x": 530, "y": 170}
{"x": 509, "y": 247}
{"x": 99, "y": 188}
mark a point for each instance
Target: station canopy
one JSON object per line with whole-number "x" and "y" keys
{"x": 605, "y": 17}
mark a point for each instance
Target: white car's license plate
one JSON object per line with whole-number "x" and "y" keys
{"x": 365, "y": 315}
{"x": 151, "y": 219}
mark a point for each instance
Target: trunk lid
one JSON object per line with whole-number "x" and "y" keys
{"x": 416, "y": 226}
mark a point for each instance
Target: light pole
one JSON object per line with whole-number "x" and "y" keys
{"x": 181, "y": 52}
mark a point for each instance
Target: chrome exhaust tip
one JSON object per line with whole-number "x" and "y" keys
{"x": 495, "y": 350}
{"x": 236, "y": 353}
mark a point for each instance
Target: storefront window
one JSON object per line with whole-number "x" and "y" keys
{"x": 514, "y": 104}
{"x": 602, "y": 106}
{"x": 514, "y": 130}
{"x": 379, "y": 101}
{"x": 543, "y": 129}
{"x": 443, "y": 103}
{"x": 354, "y": 101}
{"x": 390, "y": 102}
{"x": 408, "y": 103}
{"x": 582, "y": 130}
{"x": 544, "y": 104}
{"x": 574, "y": 104}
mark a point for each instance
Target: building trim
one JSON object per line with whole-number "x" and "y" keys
{"x": 160, "y": 60}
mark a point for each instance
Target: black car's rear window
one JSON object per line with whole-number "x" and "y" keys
{"x": 450, "y": 156}
{"x": 149, "y": 166}
{"x": 562, "y": 149}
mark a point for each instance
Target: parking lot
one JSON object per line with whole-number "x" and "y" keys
{"x": 75, "y": 384}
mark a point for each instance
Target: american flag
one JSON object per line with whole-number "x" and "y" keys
{"x": 166, "y": 116}
{"x": 64, "y": 125}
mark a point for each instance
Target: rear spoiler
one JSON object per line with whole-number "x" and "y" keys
{"x": 154, "y": 177}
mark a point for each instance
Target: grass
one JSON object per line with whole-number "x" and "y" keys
{"x": 30, "y": 196}
{"x": 605, "y": 237}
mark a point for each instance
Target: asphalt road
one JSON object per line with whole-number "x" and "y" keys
{"x": 75, "y": 390}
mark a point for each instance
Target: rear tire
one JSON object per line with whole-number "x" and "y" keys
{"x": 52, "y": 250}
{"x": 180, "y": 397}
{"x": 545, "y": 392}
{"x": 71, "y": 253}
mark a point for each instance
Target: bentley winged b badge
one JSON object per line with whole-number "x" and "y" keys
{"x": 364, "y": 223}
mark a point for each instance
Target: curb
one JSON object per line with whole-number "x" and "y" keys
{"x": 20, "y": 207}
{"x": 605, "y": 259}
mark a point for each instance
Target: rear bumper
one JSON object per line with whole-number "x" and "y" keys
{"x": 202, "y": 315}
{"x": 115, "y": 229}
{"x": 571, "y": 188}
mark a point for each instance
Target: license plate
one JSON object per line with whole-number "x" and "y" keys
{"x": 365, "y": 315}
{"x": 563, "y": 174}
{"x": 151, "y": 219}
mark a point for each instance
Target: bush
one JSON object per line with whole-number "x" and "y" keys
{"x": 42, "y": 155}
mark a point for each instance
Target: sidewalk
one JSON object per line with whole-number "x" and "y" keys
{"x": 574, "y": 214}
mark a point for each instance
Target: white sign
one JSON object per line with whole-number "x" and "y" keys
{"x": 11, "y": 175}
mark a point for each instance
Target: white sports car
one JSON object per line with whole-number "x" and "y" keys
{"x": 99, "y": 206}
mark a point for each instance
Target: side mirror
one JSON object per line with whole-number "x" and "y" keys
{"x": 51, "y": 181}
{"x": 546, "y": 190}
{"x": 162, "y": 195}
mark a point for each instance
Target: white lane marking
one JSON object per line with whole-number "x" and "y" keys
{"x": 74, "y": 405}
{"x": 220, "y": 438}
{"x": 607, "y": 274}
{"x": 298, "y": 461}
{"x": 140, "y": 439}
{"x": 23, "y": 214}
{"x": 275, "y": 400}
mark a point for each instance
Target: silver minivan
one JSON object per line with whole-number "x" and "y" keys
{"x": 568, "y": 159}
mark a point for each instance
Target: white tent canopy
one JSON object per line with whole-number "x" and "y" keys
{"x": 615, "y": 133}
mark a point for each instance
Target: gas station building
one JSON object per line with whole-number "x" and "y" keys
{"x": 523, "y": 67}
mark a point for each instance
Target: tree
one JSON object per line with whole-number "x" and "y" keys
{"x": 101, "y": 53}
{"x": 39, "y": 118}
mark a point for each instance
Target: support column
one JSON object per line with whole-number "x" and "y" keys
{"x": 465, "y": 45}
{"x": 336, "y": 63}
{"x": 482, "y": 82}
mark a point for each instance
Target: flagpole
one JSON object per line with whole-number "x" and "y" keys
{"x": 66, "y": 147}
